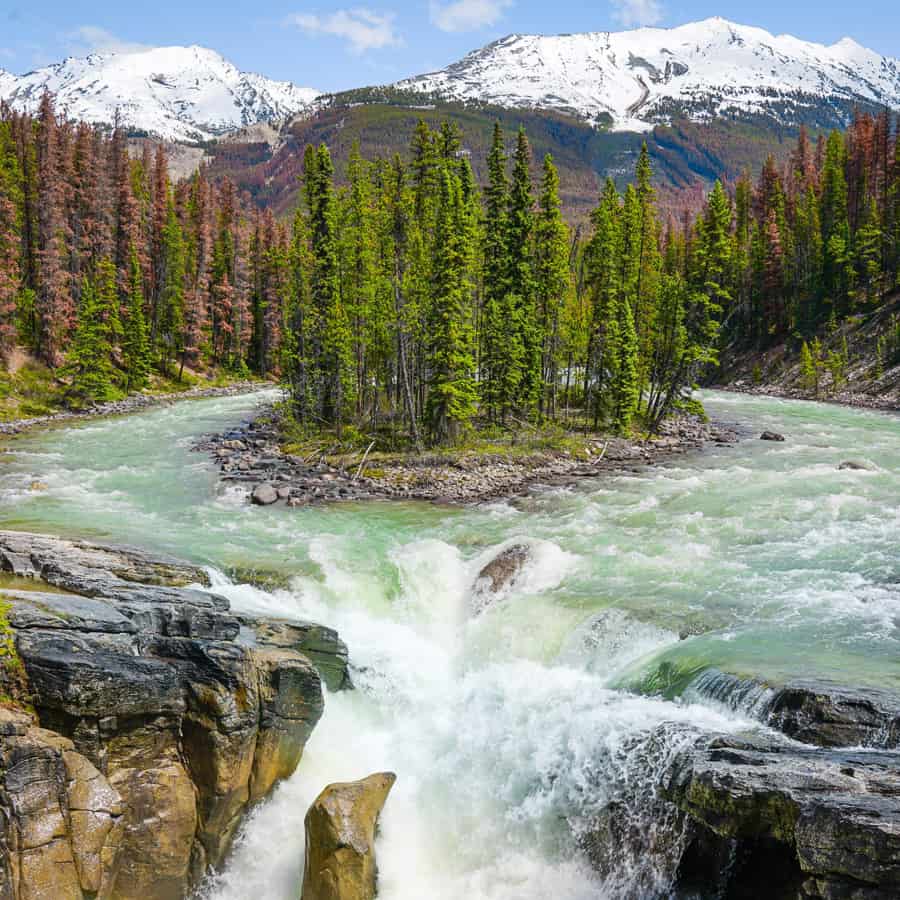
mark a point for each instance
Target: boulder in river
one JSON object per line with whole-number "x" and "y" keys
{"x": 264, "y": 495}
{"x": 340, "y": 839}
{"x": 771, "y": 436}
{"x": 498, "y": 575}
{"x": 855, "y": 465}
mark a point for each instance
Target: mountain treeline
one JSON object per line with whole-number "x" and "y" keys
{"x": 410, "y": 296}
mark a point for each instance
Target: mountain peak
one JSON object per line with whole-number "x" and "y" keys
{"x": 178, "y": 93}
{"x": 647, "y": 76}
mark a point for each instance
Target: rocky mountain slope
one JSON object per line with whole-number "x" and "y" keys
{"x": 187, "y": 94}
{"x": 636, "y": 79}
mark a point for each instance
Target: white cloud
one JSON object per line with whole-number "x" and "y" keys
{"x": 467, "y": 15}
{"x": 363, "y": 29}
{"x": 94, "y": 39}
{"x": 637, "y": 12}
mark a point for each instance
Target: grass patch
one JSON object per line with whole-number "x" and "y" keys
{"x": 31, "y": 392}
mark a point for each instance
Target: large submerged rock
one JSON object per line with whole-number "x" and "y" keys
{"x": 498, "y": 575}
{"x": 340, "y": 839}
{"x": 147, "y": 689}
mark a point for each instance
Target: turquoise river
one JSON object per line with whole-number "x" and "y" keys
{"x": 509, "y": 730}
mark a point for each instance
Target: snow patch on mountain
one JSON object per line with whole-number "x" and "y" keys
{"x": 186, "y": 94}
{"x": 642, "y": 77}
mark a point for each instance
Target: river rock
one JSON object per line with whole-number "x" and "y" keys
{"x": 264, "y": 495}
{"x": 817, "y": 712}
{"x": 498, "y": 575}
{"x": 831, "y": 715}
{"x": 832, "y": 816}
{"x": 321, "y": 645}
{"x": 146, "y": 682}
{"x": 340, "y": 839}
{"x": 855, "y": 465}
{"x": 771, "y": 436}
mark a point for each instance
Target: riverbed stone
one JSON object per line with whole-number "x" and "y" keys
{"x": 340, "y": 839}
{"x": 264, "y": 495}
{"x": 771, "y": 436}
{"x": 855, "y": 465}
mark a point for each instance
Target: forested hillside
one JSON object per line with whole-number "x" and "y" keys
{"x": 687, "y": 156}
{"x": 410, "y": 298}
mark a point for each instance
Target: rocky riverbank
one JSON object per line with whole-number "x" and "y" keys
{"x": 132, "y": 403}
{"x": 251, "y": 455}
{"x": 869, "y": 374}
{"x": 886, "y": 401}
{"x": 140, "y": 719}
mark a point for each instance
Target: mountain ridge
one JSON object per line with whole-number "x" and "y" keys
{"x": 633, "y": 80}
{"x": 183, "y": 94}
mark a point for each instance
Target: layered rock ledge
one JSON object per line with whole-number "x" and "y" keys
{"x": 145, "y": 718}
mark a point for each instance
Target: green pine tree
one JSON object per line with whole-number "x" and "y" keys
{"x": 520, "y": 279}
{"x": 626, "y": 387}
{"x": 333, "y": 337}
{"x": 90, "y": 360}
{"x": 136, "y": 357}
{"x": 452, "y": 390}
{"x": 552, "y": 278}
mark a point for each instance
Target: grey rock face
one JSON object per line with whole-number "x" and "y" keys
{"x": 836, "y": 813}
{"x": 830, "y": 715}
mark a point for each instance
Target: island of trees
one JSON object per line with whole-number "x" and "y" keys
{"x": 411, "y": 297}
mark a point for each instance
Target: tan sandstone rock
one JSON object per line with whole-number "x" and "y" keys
{"x": 340, "y": 839}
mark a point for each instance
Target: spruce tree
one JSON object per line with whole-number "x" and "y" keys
{"x": 451, "y": 390}
{"x": 501, "y": 350}
{"x": 169, "y": 315}
{"x": 626, "y": 388}
{"x": 520, "y": 283}
{"x": 90, "y": 359}
{"x": 332, "y": 330}
{"x": 136, "y": 357}
{"x": 551, "y": 271}
{"x": 604, "y": 273}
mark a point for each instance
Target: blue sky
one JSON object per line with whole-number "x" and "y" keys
{"x": 341, "y": 43}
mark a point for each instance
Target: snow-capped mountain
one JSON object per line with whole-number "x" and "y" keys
{"x": 184, "y": 94}
{"x": 646, "y": 76}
